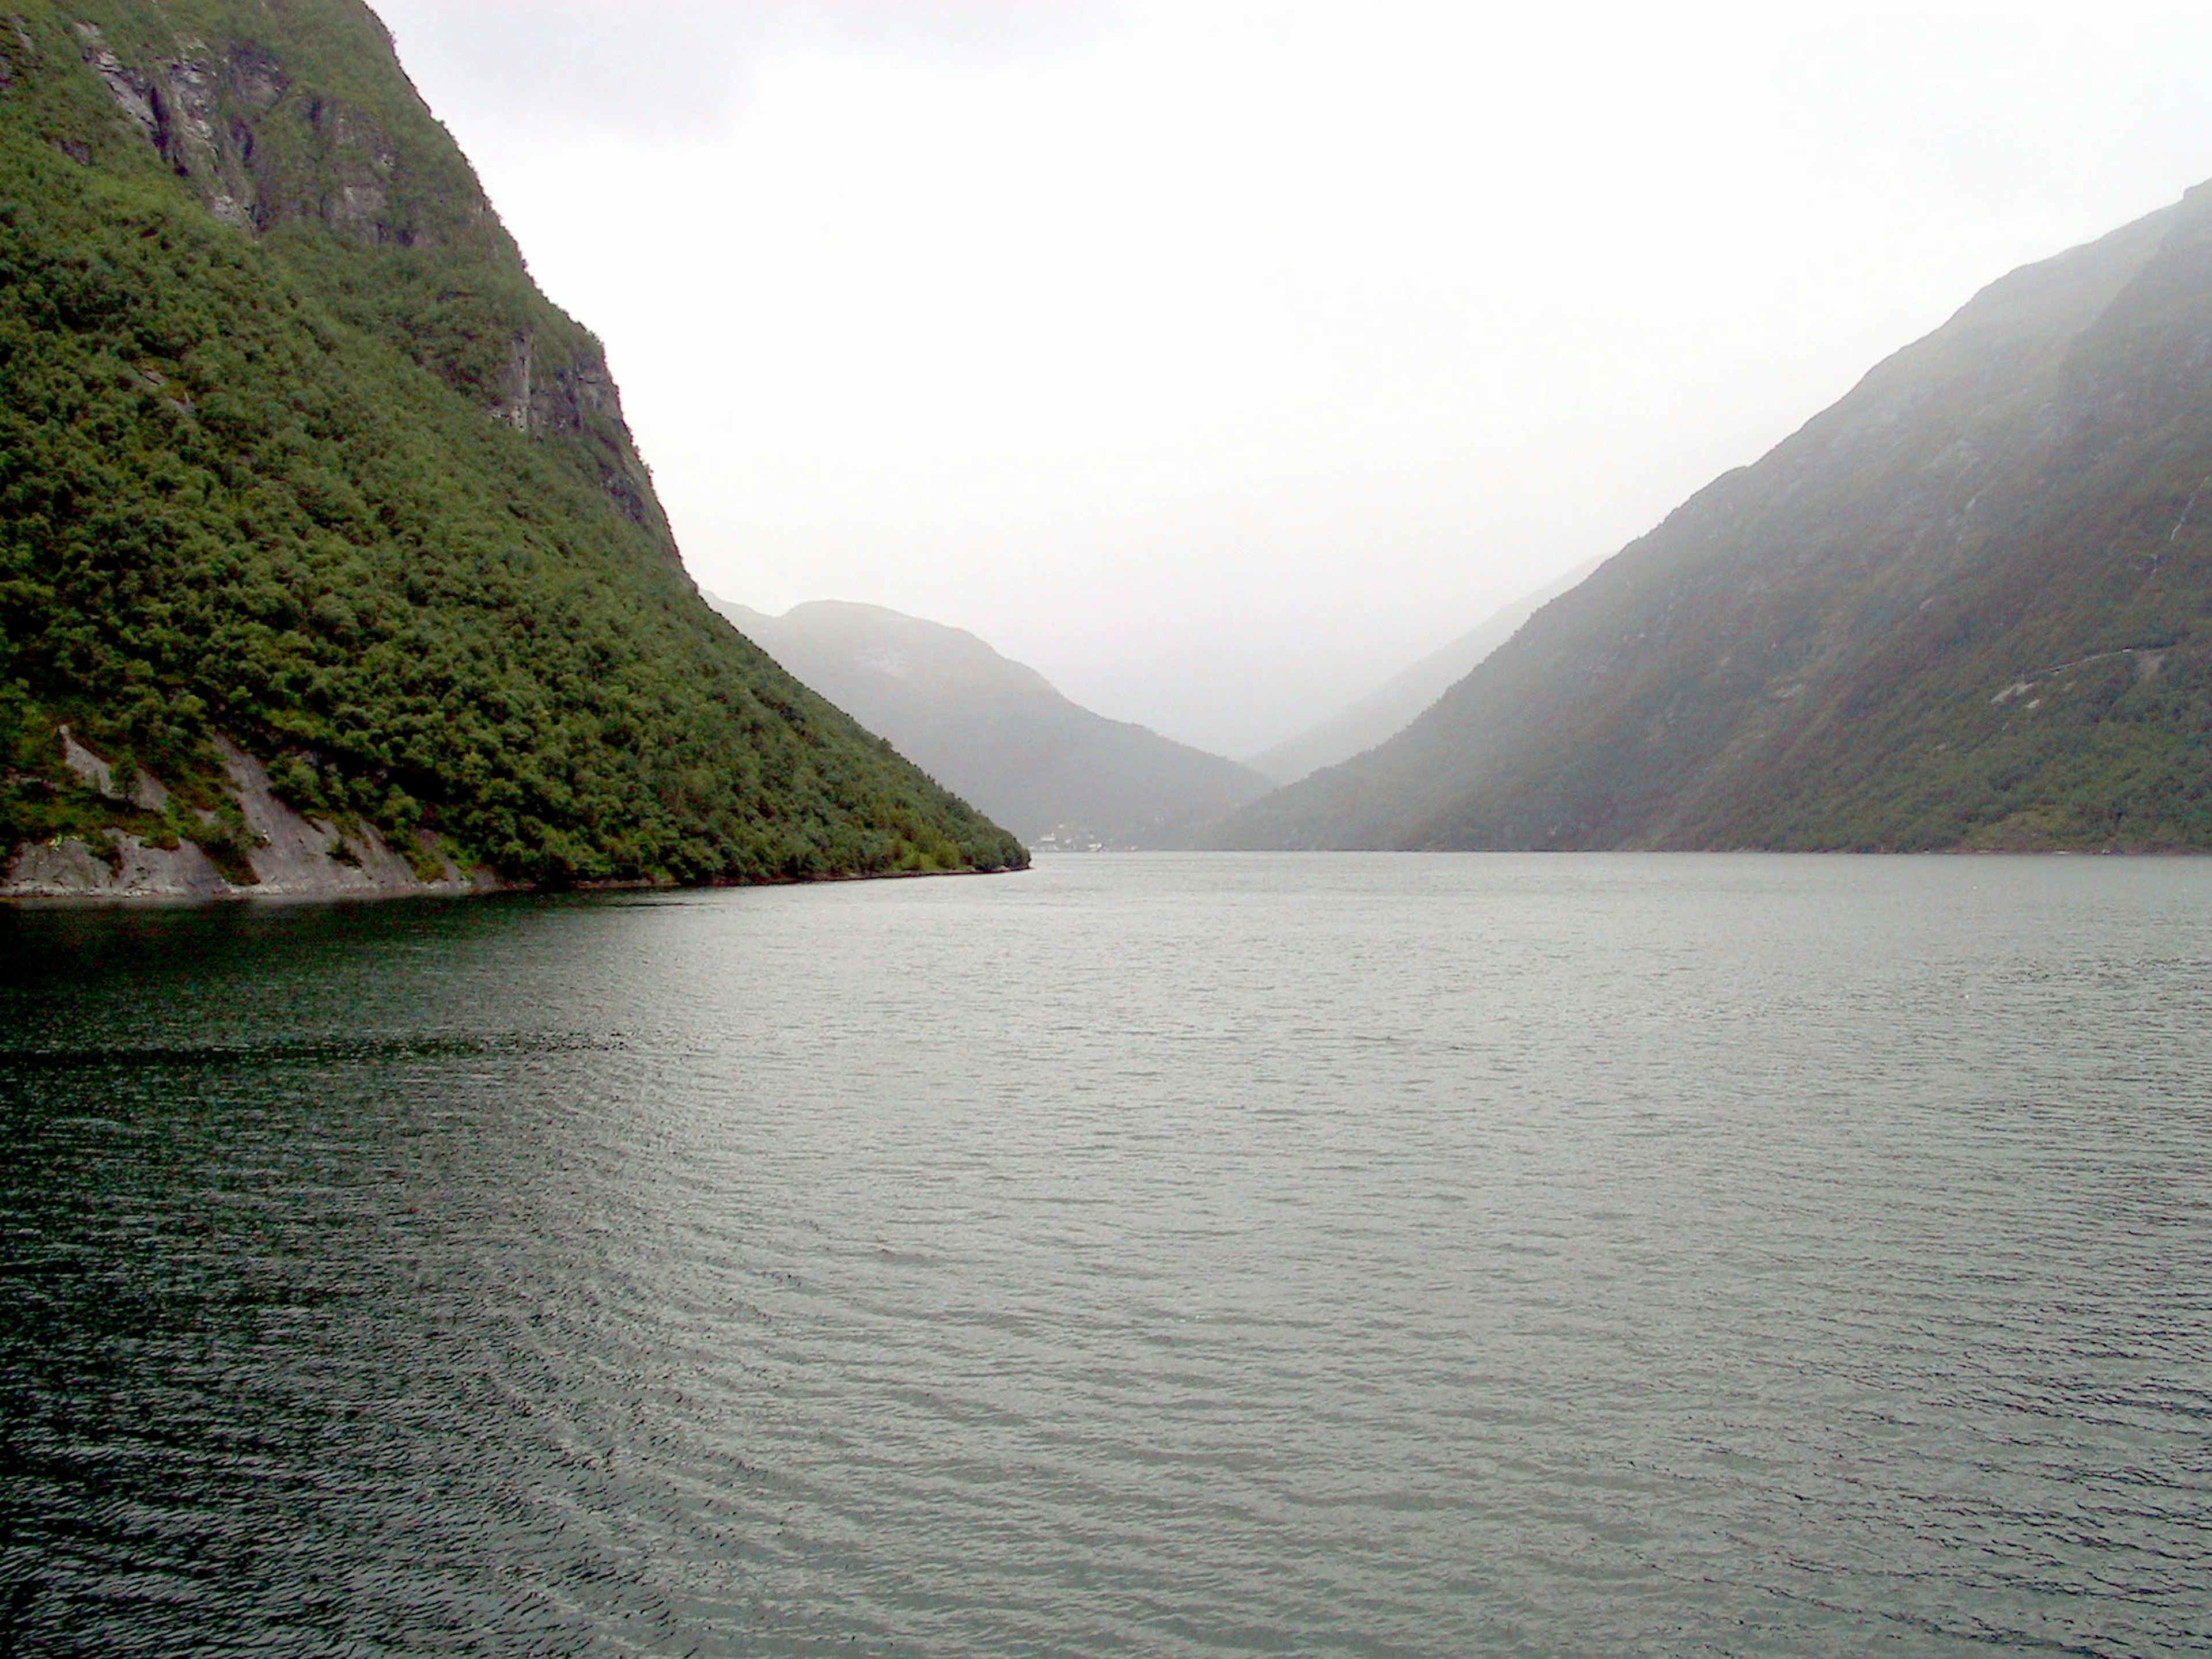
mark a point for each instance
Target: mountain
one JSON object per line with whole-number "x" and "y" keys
{"x": 302, "y": 478}
{"x": 1968, "y": 607}
{"x": 1394, "y": 705}
{"x": 997, "y": 732}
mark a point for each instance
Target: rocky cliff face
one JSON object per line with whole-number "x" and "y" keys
{"x": 212, "y": 88}
{"x": 201, "y": 112}
{"x": 1967, "y": 607}
{"x": 267, "y": 154}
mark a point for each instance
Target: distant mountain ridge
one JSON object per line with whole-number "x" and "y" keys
{"x": 996, "y": 731}
{"x": 1394, "y": 705}
{"x": 1968, "y": 607}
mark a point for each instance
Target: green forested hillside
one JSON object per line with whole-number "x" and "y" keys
{"x": 292, "y": 449}
{"x": 1969, "y": 606}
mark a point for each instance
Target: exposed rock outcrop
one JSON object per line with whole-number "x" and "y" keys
{"x": 262, "y": 153}
{"x": 305, "y": 858}
{"x": 204, "y": 111}
{"x": 72, "y": 869}
{"x": 292, "y": 856}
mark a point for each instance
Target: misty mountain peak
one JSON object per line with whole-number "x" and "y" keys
{"x": 997, "y": 730}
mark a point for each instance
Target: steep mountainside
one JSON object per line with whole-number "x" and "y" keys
{"x": 1400, "y": 701}
{"x": 297, "y": 467}
{"x": 1971, "y": 606}
{"x": 997, "y": 732}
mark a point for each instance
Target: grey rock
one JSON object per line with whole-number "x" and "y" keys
{"x": 296, "y": 857}
{"x": 299, "y": 857}
{"x": 57, "y": 869}
{"x": 97, "y": 775}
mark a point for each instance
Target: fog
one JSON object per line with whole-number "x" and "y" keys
{"x": 1219, "y": 359}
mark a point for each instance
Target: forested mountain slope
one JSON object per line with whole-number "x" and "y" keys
{"x": 1969, "y": 605}
{"x": 294, "y": 455}
{"x": 997, "y": 730}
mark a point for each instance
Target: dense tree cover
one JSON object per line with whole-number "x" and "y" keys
{"x": 1969, "y": 606}
{"x": 291, "y": 448}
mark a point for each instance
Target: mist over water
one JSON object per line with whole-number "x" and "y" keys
{"x": 1361, "y": 1255}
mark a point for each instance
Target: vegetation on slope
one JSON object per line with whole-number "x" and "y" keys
{"x": 1970, "y": 606}
{"x": 292, "y": 448}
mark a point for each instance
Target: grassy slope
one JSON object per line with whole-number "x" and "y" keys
{"x": 1816, "y": 652}
{"x": 335, "y": 477}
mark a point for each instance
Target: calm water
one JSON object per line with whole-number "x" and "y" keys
{"x": 1380, "y": 1255}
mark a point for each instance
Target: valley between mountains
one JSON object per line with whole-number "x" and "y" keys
{"x": 328, "y": 564}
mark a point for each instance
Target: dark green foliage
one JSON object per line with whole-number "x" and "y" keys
{"x": 334, "y": 479}
{"x": 1970, "y": 606}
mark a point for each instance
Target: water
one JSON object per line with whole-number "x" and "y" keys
{"x": 1378, "y": 1256}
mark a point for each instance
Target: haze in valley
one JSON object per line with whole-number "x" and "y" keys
{"x": 1220, "y": 361}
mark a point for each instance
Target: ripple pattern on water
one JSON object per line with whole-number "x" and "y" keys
{"x": 1183, "y": 1256}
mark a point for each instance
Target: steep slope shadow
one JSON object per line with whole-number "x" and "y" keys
{"x": 1969, "y": 605}
{"x": 1402, "y": 700}
{"x": 996, "y": 731}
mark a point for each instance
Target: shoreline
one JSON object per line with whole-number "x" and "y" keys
{"x": 493, "y": 888}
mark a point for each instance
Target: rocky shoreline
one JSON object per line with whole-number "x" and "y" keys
{"x": 292, "y": 856}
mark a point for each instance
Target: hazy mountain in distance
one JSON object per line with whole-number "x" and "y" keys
{"x": 996, "y": 732}
{"x": 1968, "y": 607}
{"x": 1391, "y": 707}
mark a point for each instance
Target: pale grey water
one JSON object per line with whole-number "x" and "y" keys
{"x": 1180, "y": 1255}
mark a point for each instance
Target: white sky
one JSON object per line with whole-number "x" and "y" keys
{"x": 1220, "y": 359}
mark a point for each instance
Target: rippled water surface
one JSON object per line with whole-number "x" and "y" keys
{"x": 1380, "y": 1255}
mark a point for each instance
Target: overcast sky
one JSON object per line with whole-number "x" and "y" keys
{"x": 1220, "y": 359}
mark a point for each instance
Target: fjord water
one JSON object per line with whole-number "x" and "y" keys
{"x": 1188, "y": 1255}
